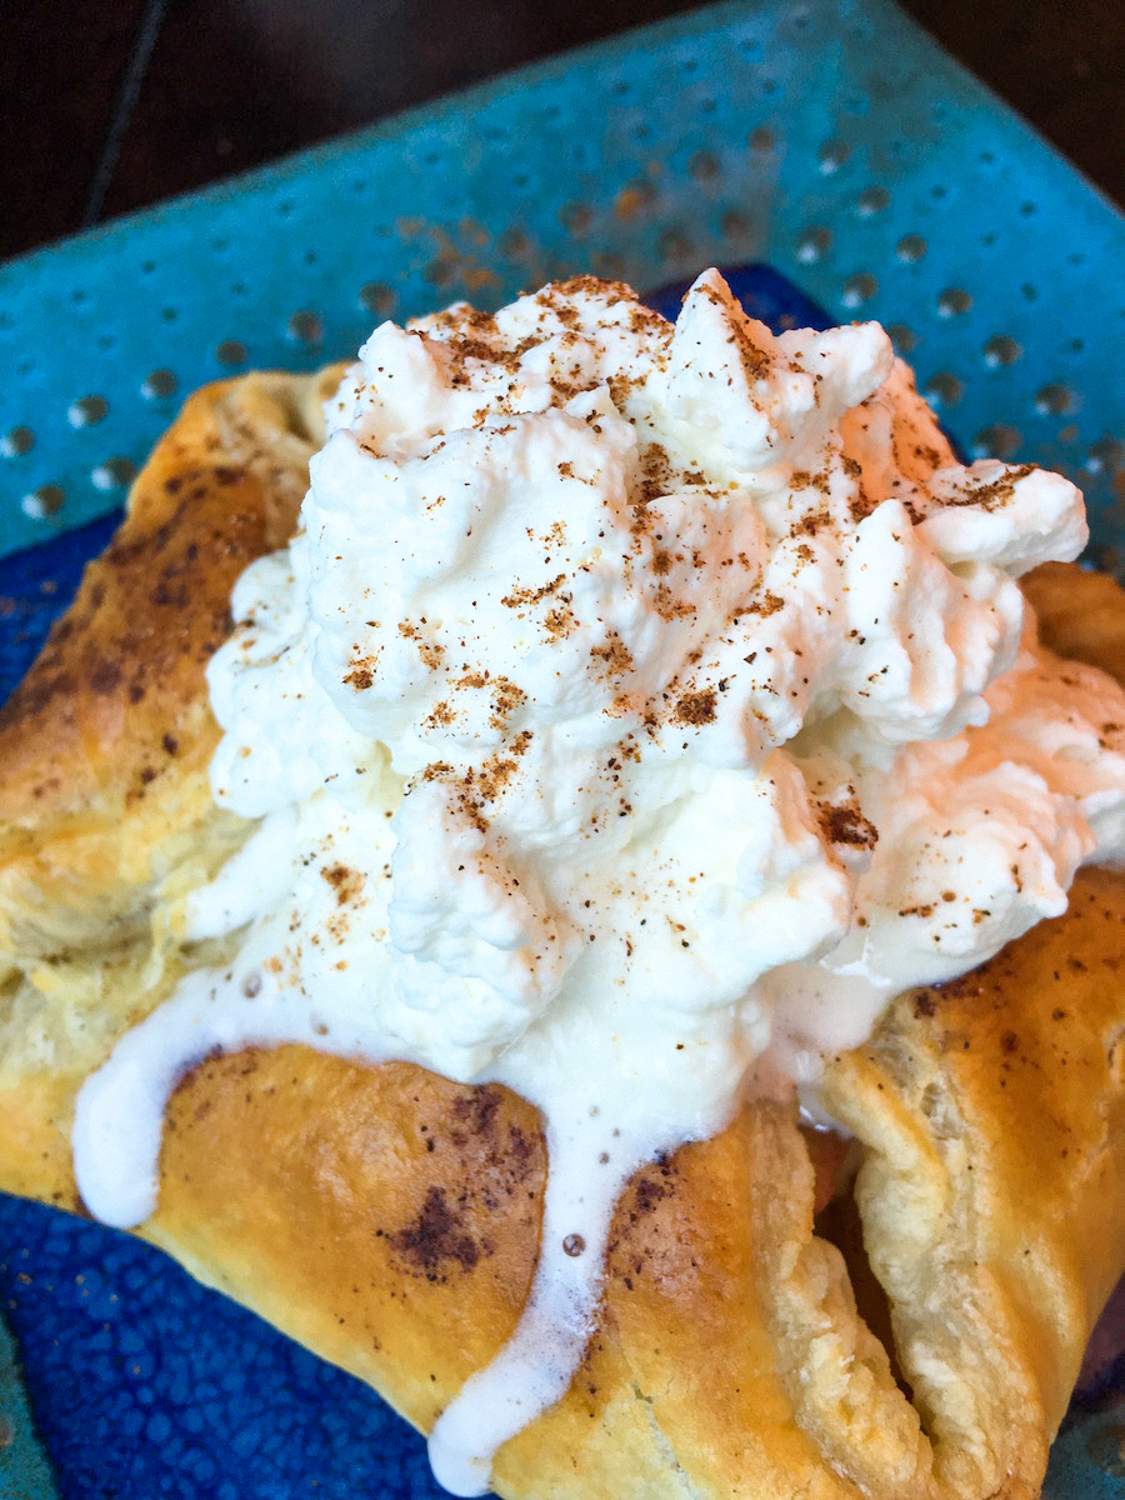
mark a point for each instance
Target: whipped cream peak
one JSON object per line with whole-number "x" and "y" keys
{"x": 765, "y": 400}
{"x": 634, "y": 702}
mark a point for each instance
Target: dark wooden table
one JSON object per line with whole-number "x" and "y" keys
{"x": 114, "y": 104}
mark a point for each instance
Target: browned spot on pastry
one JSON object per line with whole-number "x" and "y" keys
{"x": 159, "y": 596}
{"x": 649, "y": 1192}
{"x": 477, "y": 1110}
{"x": 436, "y": 1237}
{"x": 104, "y": 677}
{"x": 35, "y": 696}
{"x": 641, "y": 1222}
{"x": 480, "y": 1125}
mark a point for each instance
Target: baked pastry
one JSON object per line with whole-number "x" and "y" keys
{"x": 390, "y": 1218}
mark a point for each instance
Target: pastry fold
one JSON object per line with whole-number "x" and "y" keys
{"x": 919, "y": 1336}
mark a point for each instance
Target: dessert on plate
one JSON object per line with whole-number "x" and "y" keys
{"x": 600, "y": 915}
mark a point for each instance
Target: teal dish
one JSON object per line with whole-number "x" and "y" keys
{"x": 837, "y": 143}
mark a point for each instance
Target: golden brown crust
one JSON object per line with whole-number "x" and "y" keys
{"x": 112, "y": 721}
{"x": 104, "y": 751}
{"x": 993, "y": 1186}
{"x": 1080, "y": 614}
{"x": 393, "y": 1219}
{"x": 125, "y": 665}
{"x": 390, "y": 1219}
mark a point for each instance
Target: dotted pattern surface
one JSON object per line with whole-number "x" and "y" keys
{"x": 836, "y": 142}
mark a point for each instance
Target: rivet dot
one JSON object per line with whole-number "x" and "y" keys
{"x": 16, "y": 443}
{"x": 43, "y": 502}
{"x": 859, "y": 289}
{"x": 1001, "y": 350}
{"x": 306, "y": 327}
{"x": 87, "y": 411}
{"x": 814, "y": 244}
{"x": 999, "y": 441}
{"x": 872, "y": 201}
{"x": 114, "y": 474}
{"x": 832, "y": 156}
{"x": 953, "y": 302}
{"x": 1055, "y": 400}
{"x": 903, "y": 338}
{"x": 159, "y": 385}
{"x": 943, "y": 389}
{"x": 1107, "y": 455}
{"x": 378, "y": 298}
{"x": 911, "y": 248}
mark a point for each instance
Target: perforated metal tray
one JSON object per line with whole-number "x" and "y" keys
{"x": 835, "y": 142}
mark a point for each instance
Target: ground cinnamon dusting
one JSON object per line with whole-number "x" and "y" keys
{"x": 696, "y": 708}
{"x": 845, "y": 824}
{"x": 767, "y": 605}
{"x": 347, "y": 883}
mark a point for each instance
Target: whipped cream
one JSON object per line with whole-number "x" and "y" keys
{"x": 635, "y": 702}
